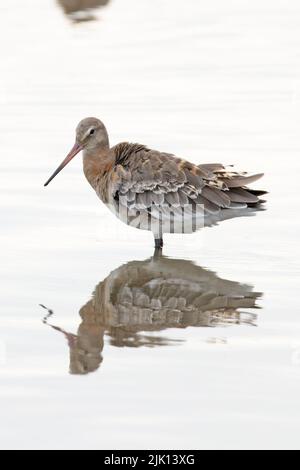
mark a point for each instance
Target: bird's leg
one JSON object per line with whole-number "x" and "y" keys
{"x": 158, "y": 242}
{"x": 156, "y": 225}
{"x": 157, "y": 253}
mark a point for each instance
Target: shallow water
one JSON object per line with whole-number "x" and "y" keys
{"x": 208, "y": 82}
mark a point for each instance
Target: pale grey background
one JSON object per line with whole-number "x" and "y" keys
{"x": 210, "y": 81}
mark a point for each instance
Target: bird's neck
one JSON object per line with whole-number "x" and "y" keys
{"x": 96, "y": 164}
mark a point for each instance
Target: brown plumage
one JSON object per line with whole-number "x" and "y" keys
{"x": 81, "y": 10}
{"x": 156, "y": 190}
{"x": 150, "y": 296}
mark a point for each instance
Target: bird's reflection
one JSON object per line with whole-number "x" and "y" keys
{"x": 81, "y": 10}
{"x": 143, "y": 297}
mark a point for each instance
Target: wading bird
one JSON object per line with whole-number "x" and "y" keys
{"x": 81, "y": 10}
{"x": 137, "y": 302}
{"x": 158, "y": 191}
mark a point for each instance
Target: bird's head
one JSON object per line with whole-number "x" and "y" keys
{"x": 91, "y": 136}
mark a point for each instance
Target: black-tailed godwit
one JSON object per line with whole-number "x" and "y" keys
{"x": 158, "y": 191}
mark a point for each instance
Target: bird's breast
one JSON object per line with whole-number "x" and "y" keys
{"x": 98, "y": 172}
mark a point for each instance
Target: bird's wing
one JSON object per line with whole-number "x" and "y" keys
{"x": 144, "y": 178}
{"x": 164, "y": 293}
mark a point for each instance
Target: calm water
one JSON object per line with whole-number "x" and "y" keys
{"x": 200, "y": 349}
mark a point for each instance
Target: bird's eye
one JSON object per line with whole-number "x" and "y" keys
{"x": 92, "y": 131}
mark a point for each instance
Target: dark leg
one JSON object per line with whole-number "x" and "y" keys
{"x": 157, "y": 254}
{"x": 158, "y": 242}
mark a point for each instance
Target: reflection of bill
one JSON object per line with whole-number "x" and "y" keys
{"x": 80, "y": 10}
{"x": 143, "y": 297}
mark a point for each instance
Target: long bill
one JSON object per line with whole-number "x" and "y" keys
{"x": 76, "y": 149}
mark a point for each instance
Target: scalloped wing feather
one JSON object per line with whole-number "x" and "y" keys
{"x": 143, "y": 178}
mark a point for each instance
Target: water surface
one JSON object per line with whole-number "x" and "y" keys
{"x": 200, "y": 349}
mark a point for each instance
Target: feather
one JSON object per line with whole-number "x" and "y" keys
{"x": 241, "y": 195}
{"x": 194, "y": 180}
{"x": 236, "y": 205}
{"x": 157, "y": 198}
{"x": 153, "y": 184}
{"x": 216, "y": 196}
{"x": 172, "y": 199}
{"x": 212, "y": 167}
{"x": 184, "y": 200}
{"x": 144, "y": 199}
{"x": 256, "y": 192}
{"x": 209, "y": 206}
{"x": 141, "y": 201}
{"x": 238, "y": 181}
